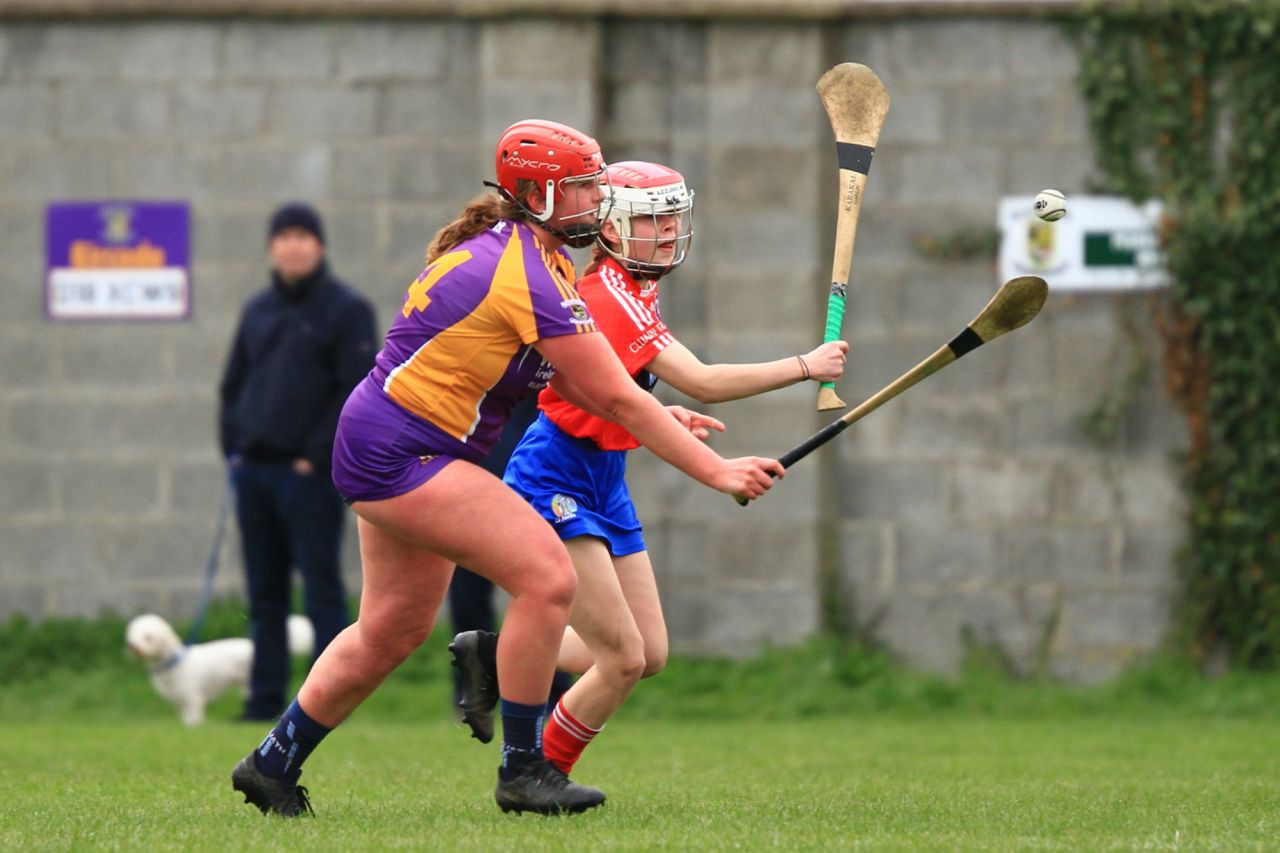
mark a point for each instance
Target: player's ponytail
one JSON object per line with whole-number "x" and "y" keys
{"x": 479, "y": 215}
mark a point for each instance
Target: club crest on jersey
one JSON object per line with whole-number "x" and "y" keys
{"x": 564, "y": 507}
{"x": 577, "y": 311}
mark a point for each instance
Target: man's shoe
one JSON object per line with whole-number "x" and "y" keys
{"x": 269, "y": 795}
{"x": 540, "y": 787}
{"x": 474, "y": 653}
{"x": 253, "y": 717}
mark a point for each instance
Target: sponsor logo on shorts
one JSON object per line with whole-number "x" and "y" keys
{"x": 425, "y": 459}
{"x": 564, "y": 507}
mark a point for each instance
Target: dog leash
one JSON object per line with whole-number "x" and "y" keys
{"x": 211, "y": 564}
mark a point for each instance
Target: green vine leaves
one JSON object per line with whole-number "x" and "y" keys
{"x": 1184, "y": 104}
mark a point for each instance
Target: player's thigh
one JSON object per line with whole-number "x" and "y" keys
{"x": 601, "y": 616}
{"x": 469, "y": 517}
{"x": 635, "y": 576}
{"x": 403, "y": 584}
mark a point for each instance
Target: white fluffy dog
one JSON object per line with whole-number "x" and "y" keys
{"x": 191, "y": 676}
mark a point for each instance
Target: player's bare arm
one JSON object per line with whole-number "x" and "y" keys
{"x": 588, "y": 362}
{"x": 717, "y": 383}
{"x": 696, "y": 422}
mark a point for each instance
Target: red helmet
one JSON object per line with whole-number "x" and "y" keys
{"x": 656, "y": 193}
{"x": 551, "y": 155}
{"x": 541, "y": 151}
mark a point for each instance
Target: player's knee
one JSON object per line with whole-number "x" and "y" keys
{"x": 560, "y": 586}
{"x": 624, "y": 660}
{"x": 655, "y": 661}
{"x": 390, "y": 648}
{"x": 556, "y": 584}
{"x": 551, "y": 582}
{"x": 630, "y": 667}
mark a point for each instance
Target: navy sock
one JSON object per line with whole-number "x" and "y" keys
{"x": 289, "y": 743}
{"x": 521, "y": 735}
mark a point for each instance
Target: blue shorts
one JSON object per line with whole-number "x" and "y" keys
{"x": 579, "y": 488}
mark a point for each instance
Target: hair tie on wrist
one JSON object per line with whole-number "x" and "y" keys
{"x": 803, "y": 367}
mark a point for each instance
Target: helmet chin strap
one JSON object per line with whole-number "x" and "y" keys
{"x": 649, "y": 271}
{"x": 549, "y": 195}
{"x": 577, "y": 236}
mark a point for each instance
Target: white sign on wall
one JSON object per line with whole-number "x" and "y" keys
{"x": 1103, "y": 243}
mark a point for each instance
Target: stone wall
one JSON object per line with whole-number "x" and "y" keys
{"x": 972, "y": 506}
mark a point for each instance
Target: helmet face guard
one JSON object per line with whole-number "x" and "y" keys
{"x": 577, "y": 230}
{"x": 556, "y": 158}
{"x": 652, "y": 213}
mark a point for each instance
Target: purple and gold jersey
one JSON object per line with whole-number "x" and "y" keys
{"x": 459, "y": 356}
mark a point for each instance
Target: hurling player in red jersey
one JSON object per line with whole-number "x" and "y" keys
{"x": 570, "y": 464}
{"x": 494, "y": 317}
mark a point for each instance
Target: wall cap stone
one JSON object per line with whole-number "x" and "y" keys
{"x": 772, "y": 9}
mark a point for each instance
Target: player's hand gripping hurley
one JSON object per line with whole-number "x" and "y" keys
{"x": 856, "y": 103}
{"x": 1016, "y": 302}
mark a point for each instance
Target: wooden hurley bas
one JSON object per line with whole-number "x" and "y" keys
{"x": 856, "y": 103}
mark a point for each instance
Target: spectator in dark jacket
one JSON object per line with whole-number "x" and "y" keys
{"x": 303, "y": 343}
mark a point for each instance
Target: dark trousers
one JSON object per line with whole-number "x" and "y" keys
{"x": 287, "y": 520}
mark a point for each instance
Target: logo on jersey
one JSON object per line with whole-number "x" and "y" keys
{"x": 564, "y": 507}
{"x": 646, "y": 337}
{"x": 577, "y": 310}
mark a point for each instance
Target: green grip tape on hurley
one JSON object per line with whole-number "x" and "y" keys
{"x": 835, "y": 318}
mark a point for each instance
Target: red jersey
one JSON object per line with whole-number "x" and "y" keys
{"x": 627, "y": 312}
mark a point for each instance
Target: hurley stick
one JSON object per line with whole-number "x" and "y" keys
{"x": 856, "y": 103}
{"x": 1015, "y": 303}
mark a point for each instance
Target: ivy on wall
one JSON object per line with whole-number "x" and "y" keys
{"x": 1184, "y": 105}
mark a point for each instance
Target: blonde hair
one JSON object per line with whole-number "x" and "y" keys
{"x": 479, "y": 215}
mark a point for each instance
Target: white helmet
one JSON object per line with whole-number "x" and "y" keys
{"x": 649, "y": 190}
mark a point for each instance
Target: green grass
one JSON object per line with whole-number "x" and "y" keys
{"x": 822, "y": 747}
{"x": 875, "y": 783}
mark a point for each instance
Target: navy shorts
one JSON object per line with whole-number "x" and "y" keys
{"x": 579, "y": 488}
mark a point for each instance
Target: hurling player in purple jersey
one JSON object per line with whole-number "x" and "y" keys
{"x": 494, "y": 317}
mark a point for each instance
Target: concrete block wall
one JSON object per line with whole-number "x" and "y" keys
{"x": 973, "y": 505}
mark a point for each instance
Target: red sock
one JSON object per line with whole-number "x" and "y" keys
{"x": 564, "y": 738}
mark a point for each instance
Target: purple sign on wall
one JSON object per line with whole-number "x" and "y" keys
{"x": 117, "y": 260}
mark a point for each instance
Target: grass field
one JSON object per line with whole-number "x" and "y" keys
{"x": 832, "y": 783}
{"x": 817, "y": 748}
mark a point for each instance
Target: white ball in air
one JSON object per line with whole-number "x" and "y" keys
{"x": 1050, "y": 205}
